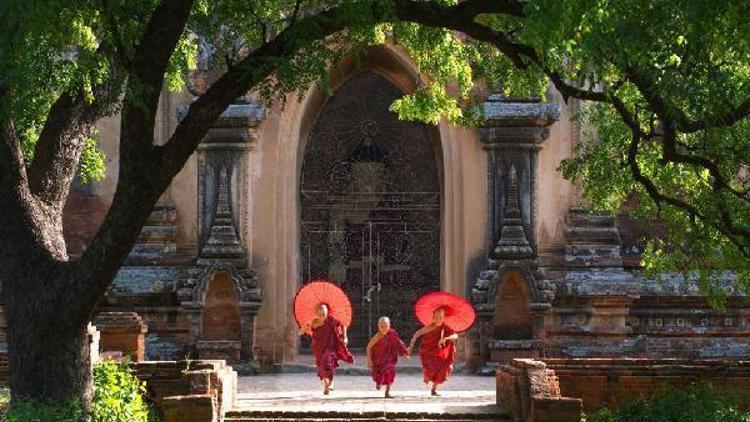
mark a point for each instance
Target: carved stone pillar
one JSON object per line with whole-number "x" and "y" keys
{"x": 222, "y": 197}
{"x": 512, "y": 134}
{"x": 225, "y": 148}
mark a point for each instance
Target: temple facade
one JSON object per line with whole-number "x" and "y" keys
{"x": 332, "y": 185}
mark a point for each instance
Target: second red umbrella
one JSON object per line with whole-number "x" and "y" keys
{"x": 459, "y": 314}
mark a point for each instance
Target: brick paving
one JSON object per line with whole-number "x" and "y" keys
{"x": 462, "y": 394}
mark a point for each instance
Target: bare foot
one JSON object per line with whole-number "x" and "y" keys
{"x": 331, "y": 386}
{"x": 434, "y": 393}
{"x": 377, "y": 387}
{"x": 388, "y": 396}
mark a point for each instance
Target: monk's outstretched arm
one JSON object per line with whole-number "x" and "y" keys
{"x": 416, "y": 336}
{"x": 306, "y": 329}
{"x": 452, "y": 337}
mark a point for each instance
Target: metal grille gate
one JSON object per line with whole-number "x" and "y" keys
{"x": 371, "y": 207}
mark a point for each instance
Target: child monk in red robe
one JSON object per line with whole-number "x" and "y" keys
{"x": 328, "y": 345}
{"x": 382, "y": 355}
{"x": 437, "y": 350}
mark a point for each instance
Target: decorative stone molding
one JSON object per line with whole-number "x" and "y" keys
{"x": 244, "y": 279}
{"x": 222, "y": 242}
{"x": 513, "y": 243}
{"x": 222, "y": 158}
{"x": 495, "y": 276}
{"x": 512, "y": 133}
{"x": 222, "y": 161}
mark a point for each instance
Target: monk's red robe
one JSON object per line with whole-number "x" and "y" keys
{"x": 328, "y": 347}
{"x": 437, "y": 362}
{"x": 384, "y": 355}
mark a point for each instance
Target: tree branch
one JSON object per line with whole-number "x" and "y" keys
{"x": 295, "y": 13}
{"x": 21, "y": 217}
{"x": 69, "y": 123}
{"x": 670, "y": 116}
{"x": 146, "y": 78}
{"x": 138, "y": 191}
{"x": 730, "y": 117}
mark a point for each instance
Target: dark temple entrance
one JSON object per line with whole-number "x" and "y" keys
{"x": 370, "y": 201}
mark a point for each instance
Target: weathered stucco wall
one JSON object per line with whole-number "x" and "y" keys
{"x": 555, "y": 195}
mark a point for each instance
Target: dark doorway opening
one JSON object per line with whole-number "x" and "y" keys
{"x": 370, "y": 206}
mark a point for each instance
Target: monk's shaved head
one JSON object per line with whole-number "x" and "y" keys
{"x": 321, "y": 310}
{"x": 384, "y": 324}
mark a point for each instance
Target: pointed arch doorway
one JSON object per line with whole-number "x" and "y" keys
{"x": 370, "y": 206}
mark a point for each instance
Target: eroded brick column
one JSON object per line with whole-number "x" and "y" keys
{"x": 121, "y": 334}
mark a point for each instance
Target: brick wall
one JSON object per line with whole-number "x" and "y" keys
{"x": 557, "y": 389}
{"x": 611, "y": 382}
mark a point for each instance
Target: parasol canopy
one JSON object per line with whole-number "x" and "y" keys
{"x": 319, "y": 292}
{"x": 459, "y": 314}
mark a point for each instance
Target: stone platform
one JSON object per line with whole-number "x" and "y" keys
{"x": 299, "y": 397}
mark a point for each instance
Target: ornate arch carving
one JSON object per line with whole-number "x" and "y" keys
{"x": 242, "y": 278}
{"x": 535, "y": 296}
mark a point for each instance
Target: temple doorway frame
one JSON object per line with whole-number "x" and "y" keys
{"x": 458, "y": 246}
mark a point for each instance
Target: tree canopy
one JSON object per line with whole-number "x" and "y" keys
{"x": 665, "y": 87}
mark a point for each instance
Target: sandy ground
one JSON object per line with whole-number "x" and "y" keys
{"x": 356, "y": 393}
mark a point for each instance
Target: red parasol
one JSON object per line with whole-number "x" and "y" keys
{"x": 459, "y": 314}
{"x": 319, "y": 292}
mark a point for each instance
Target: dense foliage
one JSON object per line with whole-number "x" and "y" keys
{"x": 698, "y": 402}
{"x": 667, "y": 84}
{"x": 118, "y": 397}
{"x": 118, "y": 394}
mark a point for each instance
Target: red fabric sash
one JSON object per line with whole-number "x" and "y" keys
{"x": 437, "y": 362}
{"x": 384, "y": 355}
{"x": 328, "y": 347}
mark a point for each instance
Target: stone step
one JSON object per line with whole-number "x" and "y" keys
{"x": 252, "y": 416}
{"x": 354, "y": 419}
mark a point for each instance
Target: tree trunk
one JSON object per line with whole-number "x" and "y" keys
{"x": 48, "y": 346}
{"x": 48, "y": 351}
